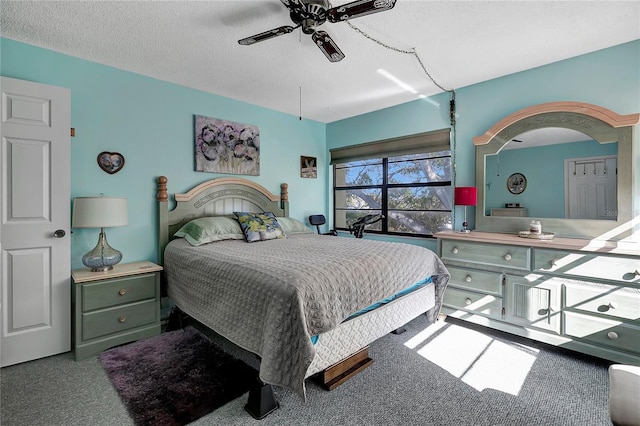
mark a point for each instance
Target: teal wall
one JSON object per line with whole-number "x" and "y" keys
{"x": 151, "y": 123}
{"x": 609, "y": 78}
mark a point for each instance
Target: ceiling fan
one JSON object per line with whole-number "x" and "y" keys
{"x": 310, "y": 14}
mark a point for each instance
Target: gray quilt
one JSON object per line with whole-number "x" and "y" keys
{"x": 269, "y": 297}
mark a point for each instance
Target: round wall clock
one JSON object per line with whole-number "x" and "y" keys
{"x": 516, "y": 183}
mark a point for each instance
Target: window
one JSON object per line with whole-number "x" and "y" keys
{"x": 411, "y": 190}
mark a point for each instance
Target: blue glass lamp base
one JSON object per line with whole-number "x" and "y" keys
{"x": 103, "y": 256}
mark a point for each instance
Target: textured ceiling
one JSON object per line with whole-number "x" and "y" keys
{"x": 195, "y": 44}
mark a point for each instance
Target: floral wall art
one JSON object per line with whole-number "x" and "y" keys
{"x": 226, "y": 147}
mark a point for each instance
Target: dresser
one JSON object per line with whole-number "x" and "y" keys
{"x": 511, "y": 212}
{"x": 579, "y": 294}
{"x": 114, "y": 307}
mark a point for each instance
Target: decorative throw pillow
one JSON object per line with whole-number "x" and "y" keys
{"x": 208, "y": 229}
{"x": 292, "y": 226}
{"x": 259, "y": 226}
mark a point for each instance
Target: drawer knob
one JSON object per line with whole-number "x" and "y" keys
{"x": 507, "y": 257}
{"x": 612, "y": 335}
{"x": 468, "y": 278}
{"x": 122, "y": 318}
{"x": 455, "y": 250}
{"x": 122, "y": 291}
{"x": 467, "y": 301}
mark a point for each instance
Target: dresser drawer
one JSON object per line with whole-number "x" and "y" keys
{"x": 482, "y": 281}
{"x": 479, "y": 303}
{"x": 603, "y": 332}
{"x": 113, "y": 320}
{"x": 514, "y": 257}
{"x": 613, "y": 301}
{"x": 620, "y": 269}
{"x": 118, "y": 291}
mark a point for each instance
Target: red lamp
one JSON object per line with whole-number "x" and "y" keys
{"x": 465, "y": 196}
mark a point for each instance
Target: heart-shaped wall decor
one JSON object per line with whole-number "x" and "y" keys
{"x": 111, "y": 162}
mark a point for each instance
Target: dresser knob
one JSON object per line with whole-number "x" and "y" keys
{"x": 467, "y": 301}
{"x": 468, "y": 278}
{"x": 612, "y": 335}
{"x": 122, "y": 291}
{"x": 454, "y": 250}
{"x": 507, "y": 256}
{"x": 122, "y": 318}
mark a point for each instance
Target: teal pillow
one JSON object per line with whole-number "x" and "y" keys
{"x": 259, "y": 226}
{"x": 208, "y": 229}
{"x": 292, "y": 226}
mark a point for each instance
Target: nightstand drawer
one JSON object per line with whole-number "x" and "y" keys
{"x": 113, "y": 320}
{"x": 613, "y": 301}
{"x": 118, "y": 291}
{"x": 514, "y": 257}
{"x": 476, "y": 280}
{"x": 590, "y": 266}
{"x": 478, "y": 303}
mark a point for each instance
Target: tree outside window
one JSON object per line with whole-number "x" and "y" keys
{"x": 413, "y": 192}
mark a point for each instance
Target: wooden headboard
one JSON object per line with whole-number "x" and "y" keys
{"x": 215, "y": 197}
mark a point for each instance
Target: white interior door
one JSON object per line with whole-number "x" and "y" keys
{"x": 34, "y": 241}
{"x": 591, "y": 188}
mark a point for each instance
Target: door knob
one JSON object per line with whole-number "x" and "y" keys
{"x": 59, "y": 233}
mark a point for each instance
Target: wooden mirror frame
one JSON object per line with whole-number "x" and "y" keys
{"x": 599, "y": 123}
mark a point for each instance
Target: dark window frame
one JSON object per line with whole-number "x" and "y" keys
{"x": 384, "y": 187}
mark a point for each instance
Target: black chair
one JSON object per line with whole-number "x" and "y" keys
{"x": 319, "y": 219}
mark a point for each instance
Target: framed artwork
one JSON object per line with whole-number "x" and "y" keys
{"x": 226, "y": 147}
{"x": 308, "y": 167}
{"x": 111, "y": 162}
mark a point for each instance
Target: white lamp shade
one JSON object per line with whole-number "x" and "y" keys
{"x": 99, "y": 212}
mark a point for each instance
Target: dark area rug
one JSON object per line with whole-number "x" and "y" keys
{"x": 175, "y": 378}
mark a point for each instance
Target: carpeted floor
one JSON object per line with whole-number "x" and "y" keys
{"x": 447, "y": 374}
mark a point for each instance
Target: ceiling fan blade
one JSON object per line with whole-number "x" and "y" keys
{"x": 328, "y": 46}
{"x": 266, "y": 35}
{"x": 358, "y": 8}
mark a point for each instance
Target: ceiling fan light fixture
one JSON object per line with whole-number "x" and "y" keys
{"x": 310, "y": 14}
{"x": 315, "y": 7}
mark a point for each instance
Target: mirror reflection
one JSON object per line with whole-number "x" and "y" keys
{"x": 567, "y": 175}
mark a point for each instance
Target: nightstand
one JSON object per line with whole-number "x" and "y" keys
{"x": 114, "y": 307}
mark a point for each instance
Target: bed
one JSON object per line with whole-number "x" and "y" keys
{"x": 301, "y": 303}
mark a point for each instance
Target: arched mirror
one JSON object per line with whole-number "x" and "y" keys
{"x": 567, "y": 164}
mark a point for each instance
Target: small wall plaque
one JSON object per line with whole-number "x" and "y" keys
{"x": 111, "y": 162}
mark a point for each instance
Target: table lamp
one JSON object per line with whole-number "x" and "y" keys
{"x": 465, "y": 196}
{"x": 100, "y": 212}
